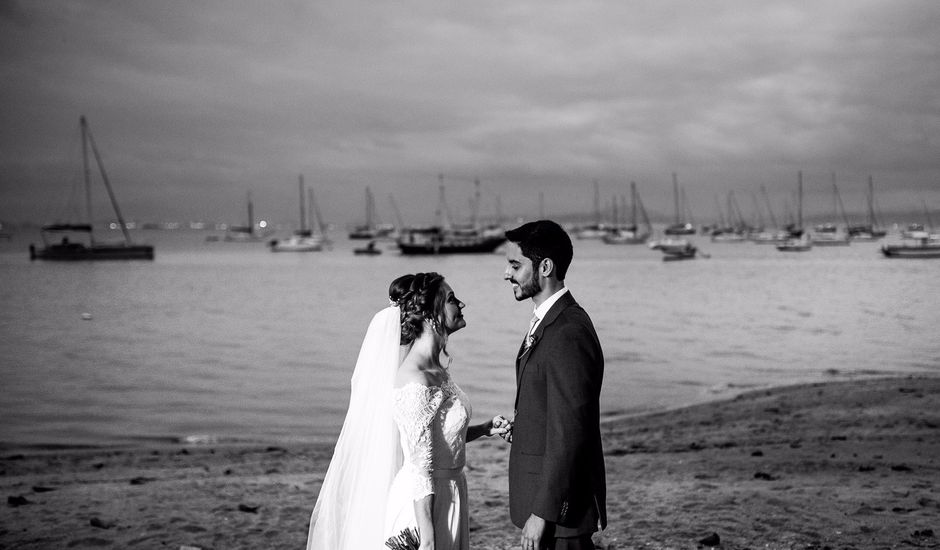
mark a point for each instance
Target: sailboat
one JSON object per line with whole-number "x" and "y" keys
{"x": 371, "y": 229}
{"x": 926, "y": 245}
{"x": 595, "y": 230}
{"x": 869, "y": 231}
{"x": 799, "y": 241}
{"x": 678, "y": 227}
{"x": 632, "y": 234}
{"x": 88, "y": 248}
{"x": 447, "y": 238}
{"x": 829, "y": 234}
{"x": 303, "y": 240}
{"x": 773, "y": 236}
{"x": 246, "y": 233}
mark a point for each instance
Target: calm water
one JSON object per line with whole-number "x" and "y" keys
{"x": 223, "y": 341}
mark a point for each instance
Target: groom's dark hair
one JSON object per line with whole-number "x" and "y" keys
{"x": 544, "y": 239}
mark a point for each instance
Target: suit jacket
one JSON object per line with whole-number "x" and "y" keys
{"x": 556, "y": 462}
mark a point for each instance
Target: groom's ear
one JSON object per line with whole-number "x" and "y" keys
{"x": 546, "y": 267}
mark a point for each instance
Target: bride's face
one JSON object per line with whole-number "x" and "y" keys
{"x": 453, "y": 311}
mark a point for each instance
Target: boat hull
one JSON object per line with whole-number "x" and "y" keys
{"x": 482, "y": 246}
{"x": 450, "y": 245}
{"x": 908, "y": 251}
{"x": 76, "y": 252}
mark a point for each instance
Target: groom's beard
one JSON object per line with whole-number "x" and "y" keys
{"x": 528, "y": 289}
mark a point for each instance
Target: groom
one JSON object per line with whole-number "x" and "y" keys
{"x": 557, "y": 484}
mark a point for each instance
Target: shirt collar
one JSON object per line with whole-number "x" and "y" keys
{"x": 542, "y": 310}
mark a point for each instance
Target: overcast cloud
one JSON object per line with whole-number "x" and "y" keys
{"x": 194, "y": 103}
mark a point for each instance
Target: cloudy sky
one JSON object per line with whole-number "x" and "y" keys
{"x": 193, "y": 104}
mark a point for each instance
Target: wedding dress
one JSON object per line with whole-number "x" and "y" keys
{"x": 396, "y": 446}
{"x": 432, "y": 421}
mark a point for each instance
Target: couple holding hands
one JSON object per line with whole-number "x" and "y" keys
{"x": 396, "y": 479}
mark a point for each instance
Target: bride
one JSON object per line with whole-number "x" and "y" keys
{"x": 398, "y": 463}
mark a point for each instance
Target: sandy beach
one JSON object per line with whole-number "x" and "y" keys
{"x": 851, "y": 464}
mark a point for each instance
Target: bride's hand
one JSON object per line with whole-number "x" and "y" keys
{"x": 501, "y": 427}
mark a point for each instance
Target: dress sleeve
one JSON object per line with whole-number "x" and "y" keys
{"x": 416, "y": 408}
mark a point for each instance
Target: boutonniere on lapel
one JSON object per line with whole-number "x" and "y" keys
{"x": 530, "y": 341}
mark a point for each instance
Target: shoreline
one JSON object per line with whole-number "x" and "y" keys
{"x": 838, "y": 463}
{"x": 195, "y": 441}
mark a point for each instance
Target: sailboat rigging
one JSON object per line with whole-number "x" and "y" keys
{"x": 93, "y": 250}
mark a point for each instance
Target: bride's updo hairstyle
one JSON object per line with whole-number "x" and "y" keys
{"x": 421, "y": 298}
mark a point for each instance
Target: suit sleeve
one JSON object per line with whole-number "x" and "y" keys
{"x": 572, "y": 385}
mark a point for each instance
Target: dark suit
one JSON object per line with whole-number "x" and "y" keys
{"x": 556, "y": 462}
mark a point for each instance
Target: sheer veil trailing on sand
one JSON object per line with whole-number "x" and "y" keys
{"x": 350, "y": 509}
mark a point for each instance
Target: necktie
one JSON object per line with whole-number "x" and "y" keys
{"x": 528, "y": 335}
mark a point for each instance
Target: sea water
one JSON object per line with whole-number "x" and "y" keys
{"x": 216, "y": 342}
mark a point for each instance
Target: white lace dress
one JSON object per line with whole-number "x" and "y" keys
{"x": 433, "y": 423}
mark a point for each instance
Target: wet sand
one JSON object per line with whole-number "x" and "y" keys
{"x": 840, "y": 465}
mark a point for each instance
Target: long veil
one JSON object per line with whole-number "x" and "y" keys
{"x": 350, "y": 509}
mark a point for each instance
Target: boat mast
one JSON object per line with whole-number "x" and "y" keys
{"x": 443, "y": 213}
{"x": 251, "y": 216}
{"x": 107, "y": 183}
{"x": 835, "y": 189}
{"x": 87, "y": 174}
{"x": 770, "y": 210}
{"x": 597, "y": 204}
{"x": 675, "y": 195}
{"x": 871, "y": 203}
{"x": 633, "y": 204}
{"x": 799, "y": 201}
{"x": 303, "y": 206}
{"x": 320, "y": 223}
{"x": 475, "y": 211}
{"x": 401, "y": 223}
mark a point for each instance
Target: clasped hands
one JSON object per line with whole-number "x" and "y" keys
{"x": 501, "y": 427}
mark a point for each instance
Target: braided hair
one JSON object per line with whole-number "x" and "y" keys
{"x": 420, "y": 297}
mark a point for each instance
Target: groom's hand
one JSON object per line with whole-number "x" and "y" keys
{"x": 500, "y": 426}
{"x": 532, "y": 533}
{"x": 504, "y": 428}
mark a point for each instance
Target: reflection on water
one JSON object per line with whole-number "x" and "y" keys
{"x": 220, "y": 341}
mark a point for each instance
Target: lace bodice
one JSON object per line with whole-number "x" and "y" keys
{"x": 432, "y": 421}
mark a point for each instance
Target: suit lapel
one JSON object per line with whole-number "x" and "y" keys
{"x": 525, "y": 354}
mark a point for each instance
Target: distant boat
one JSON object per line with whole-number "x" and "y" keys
{"x": 631, "y": 233}
{"x": 919, "y": 231}
{"x": 595, "y": 230}
{"x": 670, "y": 245}
{"x": 798, "y": 241}
{"x": 371, "y": 229}
{"x": 445, "y": 238}
{"x": 925, "y": 248}
{"x": 679, "y": 227}
{"x": 367, "y": 250}
{"x": 303, "y": 240}
{"x": 686, "y": 254}
{"x": 88, "y": 248}
{"x": 868, "y": 231}
{"x": 802, "y": 244}
{"x": 830, "y": 234}
{"x": 245, "y": 233}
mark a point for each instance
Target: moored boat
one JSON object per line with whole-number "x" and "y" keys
{"x": 441, "y": 240}
{"x": 631, "y": 234}
{"x": 446, "y": 238}
{"x": 925, "y": 248}
{"x": 87, "y": 248}
{"x": 684, "y": 253}
{"x": 303, "y": 240}
{"x": 803, "y": 244}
